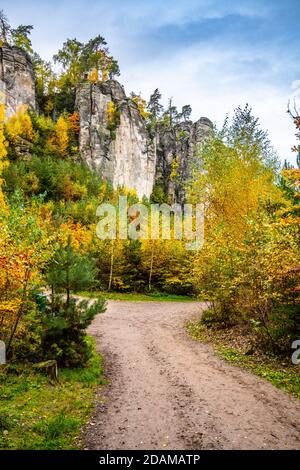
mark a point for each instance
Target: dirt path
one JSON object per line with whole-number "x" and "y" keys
{"x": 168, "y": 391}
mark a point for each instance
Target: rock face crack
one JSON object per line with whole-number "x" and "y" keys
{"x": 133, "y": 162}
{"x": 17, "y": 82}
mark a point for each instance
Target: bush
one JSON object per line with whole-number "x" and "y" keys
{"x": 64, "y": 337}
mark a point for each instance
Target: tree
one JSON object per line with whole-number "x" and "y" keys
{"x": 141, "y": 104}
{"x": 46, "y": 83}
{"x": 95, "y": 56}
{"x": 186, "y": 112}
{"x": 249, "y": 266}
{"x": 69, "y": 271}
{"x": 91, "y": 59}
{"x": 5, "y": 28}
{"x": 237, "y": 189}
{"x": 69, "y": 57}
{"x": 25, "y": 247}
{"x": 290, "y": 182}
{"x": 244, "y": 132}
{"x": 66, "y": 319}
{"x": 3, "y": 154}
{"x": 172, "y": 113}
{"x": 132, "y": 267}
{"x": 59, "y": 141}
{"x": 19, "y": 127}
{"x": 154, "y": 107}
{"x": 20, "y": 37}
{"x": 166, "y": 266}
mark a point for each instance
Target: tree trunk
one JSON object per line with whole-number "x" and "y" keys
{"x": 151, "y": 266}
{"x": 111, "y": 265}
{"x": 20, "y": 312}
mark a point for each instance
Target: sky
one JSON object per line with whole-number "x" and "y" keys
{"x": 212, "y": 54}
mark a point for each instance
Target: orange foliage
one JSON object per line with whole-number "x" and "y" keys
{"x": 74, "y": 120}
{"x": 81, "y": 236}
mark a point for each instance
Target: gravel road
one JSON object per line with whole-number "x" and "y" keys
{"x": 168, "y": 391}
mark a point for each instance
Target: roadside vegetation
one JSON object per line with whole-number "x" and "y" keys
{"x": 139, "y": 297}
{"x": 38, "y": 413}
{"x": 248, "y": 269}
{"x": 238, "y": 348}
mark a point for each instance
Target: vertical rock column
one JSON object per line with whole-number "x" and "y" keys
{"x": 17, "y": 82}
{"x": 122, "y": 155}
{"x": 177, "y": 148}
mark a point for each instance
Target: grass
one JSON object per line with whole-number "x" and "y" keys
{"x": 281, "y": 374}
{"x": 138, "y": 297}
{"x": 37, "y": 414}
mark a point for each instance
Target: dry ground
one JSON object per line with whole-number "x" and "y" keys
{"x": 167, "y": 391}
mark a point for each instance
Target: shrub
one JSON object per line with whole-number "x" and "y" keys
{"x": 64, "y": 336}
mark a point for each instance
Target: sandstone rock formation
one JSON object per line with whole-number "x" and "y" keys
{"x": 177, "y": 153}
{"x": 121, "y": 150}
{"x": 17, "y": 83}
{"x": 114, "y": 138}
{"x": 126, "y": 154}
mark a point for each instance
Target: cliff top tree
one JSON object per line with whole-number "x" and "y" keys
{"x": 78, "y": 59}
{"x": 172, "y": 112}
{"x": 18, "y": 37}
{"x": 154, "y": 107}
{"x": 95, "y": 56}
{"x": 69, "y": 58}
{"x": 186, "y": 112}
{"x": 155, "y": 110}
{"x": 4, "y": 27}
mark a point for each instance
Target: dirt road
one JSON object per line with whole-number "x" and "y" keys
{"x": 168, "y": 391}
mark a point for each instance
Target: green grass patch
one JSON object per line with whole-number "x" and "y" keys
{"x": 280, "y": 372}
{"x": 36, "y": 413}
{"x": 138, "y": 297}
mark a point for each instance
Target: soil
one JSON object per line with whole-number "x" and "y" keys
{"x": 168, "y": 391}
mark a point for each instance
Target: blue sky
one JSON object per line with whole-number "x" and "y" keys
{"x": 214, "y": 55}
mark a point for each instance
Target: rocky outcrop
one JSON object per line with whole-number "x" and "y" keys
{"x": 114, "y": 140}
{"x": 17, "y": 82}
{"x": 113, "y": 136}
{"x": 177, "y": 148}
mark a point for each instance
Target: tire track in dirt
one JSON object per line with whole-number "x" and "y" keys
{"x": 167, "y": 391}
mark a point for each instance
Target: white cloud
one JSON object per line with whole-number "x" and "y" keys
{"x": 214, "y": 77}
{"x": 214, "y": 82}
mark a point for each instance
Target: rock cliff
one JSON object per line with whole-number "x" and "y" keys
{"x": 17, "y": 83}
{"x": 177, "y": 148}
{"x": 114, "y": 140}
{"x": 113, "y": 136}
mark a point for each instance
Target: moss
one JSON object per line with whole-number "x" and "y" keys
{"x": 37, "y": 414}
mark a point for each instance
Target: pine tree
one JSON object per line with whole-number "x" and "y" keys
{"x": 5, "y": 28}
{"x": 69, "y": 271}
{"x": 186, "y": 112}
{"x": 66, "y": 319}
{"x": 154, "y": 107}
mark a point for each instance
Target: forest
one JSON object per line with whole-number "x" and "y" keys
{"x": 248, "y": 270}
